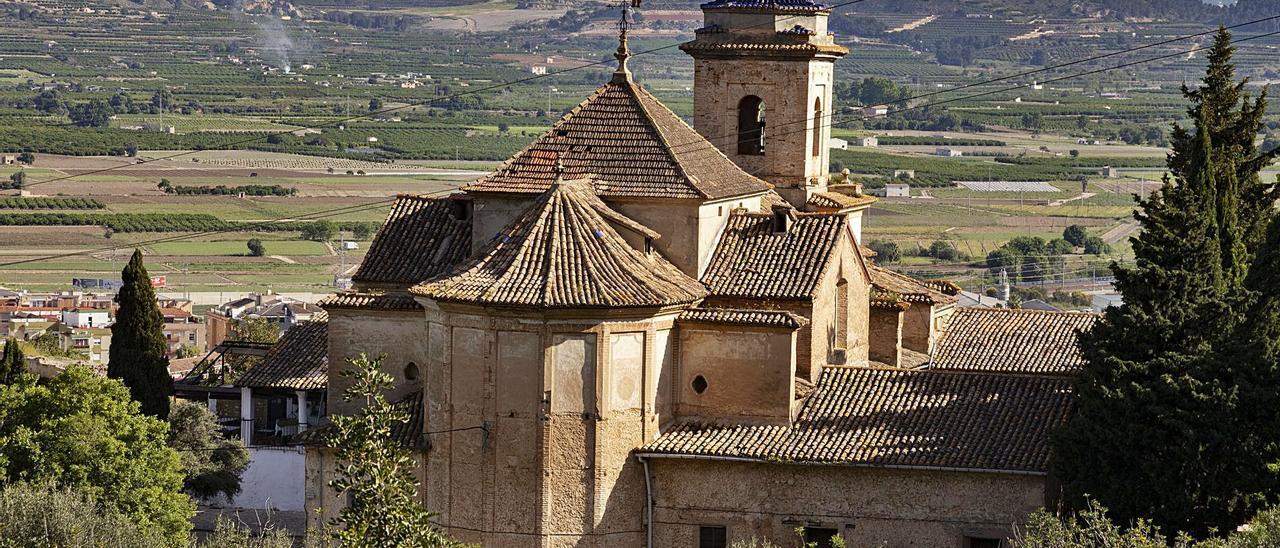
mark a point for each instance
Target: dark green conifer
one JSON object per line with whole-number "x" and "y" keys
{"x": 13, "y": 364}
{"x": 1168, "y": 425}
{"x": 137, "y": 341}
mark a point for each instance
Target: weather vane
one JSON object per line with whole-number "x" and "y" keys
{"x": 624, "y": 25}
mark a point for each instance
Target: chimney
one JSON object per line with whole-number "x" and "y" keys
{"x": 781, "y": 218}
{"x": 1003, "y": 292}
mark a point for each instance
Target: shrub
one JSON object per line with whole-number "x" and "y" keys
{"x": 886, "y": 252}
{"x": 46, "y": 515}
{"x": 256, "y": 248}
{"x": 943, "y": 251}
{"x": 1094, "y": 245}
{"x": 1075, "y": 235}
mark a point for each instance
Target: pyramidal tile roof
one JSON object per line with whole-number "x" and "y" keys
{"x": 907, "y": 288}
{"x": 631, "y": 145}
{"x": 563, "y": 252}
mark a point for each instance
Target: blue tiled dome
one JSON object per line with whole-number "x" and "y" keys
{"x": 798, "y": 5}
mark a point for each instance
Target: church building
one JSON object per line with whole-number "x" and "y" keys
{"x": 638, "y": 332}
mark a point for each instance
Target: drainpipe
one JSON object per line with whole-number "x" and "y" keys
{"x": 648, "y": 504}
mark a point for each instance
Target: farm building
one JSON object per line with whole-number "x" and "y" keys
{"x": 868, "y": 142}
{"x": 948, "y": 152}
{"x": 838, "y": 144}
{"x": 1110, "y": 172}
{"x": 877, "y": 110}
{"x": 8, "y": 160}
{"x": 900, "y": 173}
{"x": 579, "y": 334}
{"x": 897, "y": 190}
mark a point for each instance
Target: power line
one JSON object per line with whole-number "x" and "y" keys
{"x": 1036, "y": 71}
{"x": 231, "y": 145}
{"x": 1094, "y": 71}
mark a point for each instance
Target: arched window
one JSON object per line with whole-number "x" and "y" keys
{"x": 751, "y": 126}
{"x": 411, "y": 372}
{"x": 842, "y": 314}
{"x": 817, "y": 127}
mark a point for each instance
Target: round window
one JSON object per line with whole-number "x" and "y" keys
{"x": 699, "y": 384}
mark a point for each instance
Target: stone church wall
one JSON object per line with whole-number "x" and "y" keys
{"x": 868, "y": 506}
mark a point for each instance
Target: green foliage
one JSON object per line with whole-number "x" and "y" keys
{"x": 13, "y": 364}
{"x": 43, "y": 514}
{"x": 17, "y": 180}
{"x": 1075, "y": 234}
{"x": 223, "y": 190}
{"x": 1059, "y": 246}
{"x": 94, "y": 113}
{"x": 1092, "y": 528}
{"x": 1094, "y": 245}
{"x": 374, "y": 472}
{"x": 229, "y": 534}
{"x": 1171, "y": 423}
{"x": 362, "y": 232}
{"x": 159, "y": 222}
{"x": 212, "y": 464}
{"x": 25, "y": 202}
{"x": 319, "y": 231}
{"x": 886, "y": 252}
{"x": 83, "y": 432}
{"x": 256, "y": 248}
{"x": 251, "y": 329}
{"x": 138, "y": 344}
{"x": 943, "y": 250}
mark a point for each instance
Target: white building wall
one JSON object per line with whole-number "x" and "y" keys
{"x": 275, "y": 479}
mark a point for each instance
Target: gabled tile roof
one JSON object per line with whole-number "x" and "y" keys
{"x": 907, "y": 288}
{"x": 1012, "y": 341}
{"x": 898, "y": 418}
{"x": 369, "y": 301}
{"x": 732, "y": 316}
{"x": 420, "y": 240}
{"x": 754, "y": 261}
{"x": 631, "y": 145}
{"x": 563, "y": 253}
{"x": 298, "y": 361}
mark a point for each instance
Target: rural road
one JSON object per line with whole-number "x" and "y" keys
{"x": 1120, "y": 232}
{"x": 283, "y": 259}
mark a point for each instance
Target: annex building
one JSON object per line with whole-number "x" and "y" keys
{"x": 638, "y": 332}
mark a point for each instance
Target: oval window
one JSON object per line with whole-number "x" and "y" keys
{"x": 699, "y": 384}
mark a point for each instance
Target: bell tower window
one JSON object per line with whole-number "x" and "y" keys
{"x": 817, "y": 127}
{"x": 751, "y": 126}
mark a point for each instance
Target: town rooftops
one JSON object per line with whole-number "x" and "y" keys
{"x": 563, "y": 252}
{"x": 756, "y": 260}
{"x": 886, "y": 417}
{"x": 908, "y": 289}
{"x": 298, "y": 361}
{"x": 1012, "y": 341}
{"x": 422, "y": 238}
{"x": 632, "y": 146}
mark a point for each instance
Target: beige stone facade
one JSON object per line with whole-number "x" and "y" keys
{"x": 622, "y": 337}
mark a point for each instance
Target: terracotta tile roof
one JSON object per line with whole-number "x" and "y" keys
{"x": 754, "y": 261}
{"x": 631, "y": 145}
{"x": 712, "y": 41}
{"x": 420, "y": 240}
{"x": 407, "y": 434}
{"x": 882, "y": 298}
{"x": 898, "y": 418}
{"x": 907, "y": 288}
{"x": 369, "y": 301}
{"x": 298, "y": 361}
{"x": 1012, "y": 341}
{"x": 563, "y": 253}
{"x": 836, "y": 200}
{"x": 772, "y": 199}
{"x": 781, "y": 5}
{"x": 730, "y": 316}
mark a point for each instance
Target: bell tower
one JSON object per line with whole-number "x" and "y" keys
{"x": 762, "y": 89}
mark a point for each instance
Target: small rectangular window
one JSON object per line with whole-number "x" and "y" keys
{"x": 712, "y": 536}
{"x": 980, "y": 542}
{"x": 819, "y": 536}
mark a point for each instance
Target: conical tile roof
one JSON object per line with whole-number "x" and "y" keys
{"x": 564, "y": 252}
{"x": 631, "y": 145}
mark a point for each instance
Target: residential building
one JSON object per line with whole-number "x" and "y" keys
{"x": 897, "y": 190}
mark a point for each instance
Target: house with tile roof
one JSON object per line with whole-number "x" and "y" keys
{"x": 639, "y": 333}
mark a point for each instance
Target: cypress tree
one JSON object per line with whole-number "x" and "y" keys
{"x": 1168, "y": 425}
{"x": 13, "y": 364}
{"x": 137, "y": 341}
